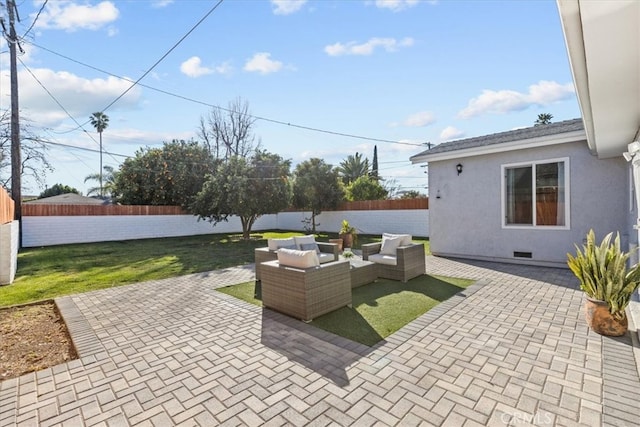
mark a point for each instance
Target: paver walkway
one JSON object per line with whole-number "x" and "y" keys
{"x": 511, "y": 349}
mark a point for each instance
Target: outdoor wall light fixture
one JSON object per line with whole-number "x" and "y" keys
{"x": 459, "y": 168}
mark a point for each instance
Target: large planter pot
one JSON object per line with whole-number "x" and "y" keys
{"x": 347, "y": 240}
{"x": 601, "y": 321}
{"x": 337, "y": 242}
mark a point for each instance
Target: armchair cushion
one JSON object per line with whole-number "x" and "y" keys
{"x": 275, "y": 244}
{"x": 310, "y": 247}
{"x": 298, "y": 259}
{"x": 384, "y": 259}
{"x": 405, "y": 238}
{"x": 326, "y": 257}
{"x": 390, "y": 244}
{"x": 304, "y": 240}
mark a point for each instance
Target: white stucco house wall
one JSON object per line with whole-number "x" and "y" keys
{"x": 525, "y": 196}
{"x": 487, "y": 212}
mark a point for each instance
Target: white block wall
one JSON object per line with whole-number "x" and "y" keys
{"x": 9, "y": 243}
{"x": 60, "y": 230}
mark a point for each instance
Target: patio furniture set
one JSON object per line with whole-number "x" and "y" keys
{"x": 306, "y": 279}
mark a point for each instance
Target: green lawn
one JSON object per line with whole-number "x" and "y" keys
{"x": 379, "y": 309}
{"x": 49, "y": 272}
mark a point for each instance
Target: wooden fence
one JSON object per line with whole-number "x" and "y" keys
{"x": 98, "y": 210}
{"x": 385, "y": 205}
{"x": 7, "y": 207}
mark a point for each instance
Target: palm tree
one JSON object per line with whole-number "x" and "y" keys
{"x": 543, "y": 119}
{"x": 109, "y": 179}
{"x": 100, "y": 121}
{"x": 353, "y": 167}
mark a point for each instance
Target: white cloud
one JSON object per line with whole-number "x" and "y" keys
{"x": 160, "y": 3}
{"x": 449, "y": 133}
{"x": 70, "y": 16}
{"x": 79, "y": 96}
{"x": 420, "y": 119}
{"x": 367, "y": 48}
{"x": 192, "y": 67}
{"x": 541, "y": 94}
{"x": 262, "y": 63}
{"x": 395, "y": 5}
{"x": 287, "y": 7}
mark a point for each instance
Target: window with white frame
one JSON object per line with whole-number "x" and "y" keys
{"x": 535, "y": 194}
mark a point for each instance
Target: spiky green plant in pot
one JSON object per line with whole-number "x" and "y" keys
{"x": 602, "y": 271}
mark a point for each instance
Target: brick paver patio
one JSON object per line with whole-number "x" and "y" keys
{"x": 511, "y": 349}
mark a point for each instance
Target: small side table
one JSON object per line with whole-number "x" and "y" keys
{"x": 362, "y": 272}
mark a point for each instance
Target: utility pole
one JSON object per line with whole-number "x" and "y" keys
{"x": 16, "y": 157}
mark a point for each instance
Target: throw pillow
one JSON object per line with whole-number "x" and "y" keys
{"x": 389, "y": 245}
{"x": 310, "y": 247}
{"x": 298, "y": 259}
{"x": 303, "y": 240}
{"x": 275, "y": 244}
{"x": 406, "y": 238}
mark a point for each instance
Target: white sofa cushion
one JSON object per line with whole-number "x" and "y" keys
{"x": 298, "y": 259}
{"x": 406, "y": 238}
{"x": 325, "y": 257}
{"x": 383, "y": 259}
{"x": 304, "y": 240}
{"x": 275, "y": 244}
{"x": 389, "y": 245}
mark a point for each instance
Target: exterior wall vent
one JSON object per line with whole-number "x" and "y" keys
{"x": 517, "y": 254}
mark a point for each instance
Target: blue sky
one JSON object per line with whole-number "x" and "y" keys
{"x": 401, "y": 70}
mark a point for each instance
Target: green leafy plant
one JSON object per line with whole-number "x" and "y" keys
{"x": 347, "y": 254}
{"x": 602, "y": 271}
{"x": 347, "y": 228}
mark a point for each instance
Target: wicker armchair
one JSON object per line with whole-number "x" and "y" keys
{"x": 264, "y": 254}
{"x": 306, "y": 293}
{"x": 410, "y": 261}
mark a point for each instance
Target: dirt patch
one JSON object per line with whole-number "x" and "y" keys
{"x": 32, "y": 338}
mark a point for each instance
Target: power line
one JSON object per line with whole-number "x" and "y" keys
{"x": 207, "y": 104}
{"x": 165, "y": 55}
{"x": 84, "y": 149}
{"x": 35, "y": 19}
{"x": 56, "y": 101}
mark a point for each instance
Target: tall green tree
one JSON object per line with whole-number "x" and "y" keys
{"x": 106, "y": 182}
{"x": 100, "y": 121}
{"x": 365, "y": 188}
{"x": 56, "y": 190}
{"x": 316, "y": 186}
{"x": 543, "y": 119}
{"x": 245, "y": 187}
{"x": 353, "y": 167}
{"x": 171, "y": 175}
{"x": 374, "y": 164}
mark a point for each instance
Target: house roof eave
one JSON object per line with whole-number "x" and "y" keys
{"x": 561, "y": 138}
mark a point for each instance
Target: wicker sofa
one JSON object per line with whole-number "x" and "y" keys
{"x": 406, "y": 262}
{"x": 329, "y": 253}
{"x": 306, "y": 293}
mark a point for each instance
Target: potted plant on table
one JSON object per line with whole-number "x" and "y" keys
{"x": 348, "y": 234}
{"x": 608, "y": 284}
